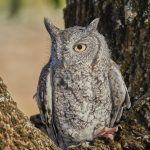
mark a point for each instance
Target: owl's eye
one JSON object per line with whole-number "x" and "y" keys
{"x": 80, "y": 47}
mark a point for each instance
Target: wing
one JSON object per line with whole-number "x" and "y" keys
{"x": 119, "y": 93}
{"x": 44, "y": 95}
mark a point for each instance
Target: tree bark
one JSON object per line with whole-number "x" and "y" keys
{"x": 16, "y": 131}
{"x": 126, "y": 27}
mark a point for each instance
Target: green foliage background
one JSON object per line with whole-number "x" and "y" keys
{"x": 13, "y": 6}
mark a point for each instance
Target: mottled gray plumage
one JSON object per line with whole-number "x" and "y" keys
{"x": 80, "y": 89}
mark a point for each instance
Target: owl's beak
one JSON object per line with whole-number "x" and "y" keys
{"x": 51, "y": 28}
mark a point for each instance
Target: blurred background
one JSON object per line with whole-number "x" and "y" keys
{"x": 25, "y": 46}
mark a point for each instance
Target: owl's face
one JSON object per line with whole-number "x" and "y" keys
{"x": 75, "y": 45}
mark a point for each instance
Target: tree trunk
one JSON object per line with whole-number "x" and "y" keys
{"x": 16, "y": 131}
{"x": 126, "y": 27}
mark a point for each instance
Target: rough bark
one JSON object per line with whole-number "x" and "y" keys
{"x": 16, "y": 131}
{"x": 126, "y": 27}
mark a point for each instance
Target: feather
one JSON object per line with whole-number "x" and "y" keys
{"x": 119, "y": 93}
{"x": 44, "y": 99}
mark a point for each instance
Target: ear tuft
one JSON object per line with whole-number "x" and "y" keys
{"x": 47, "y": 24}
{"x": 51, "y": 28}
{"x": 93, "y": 25}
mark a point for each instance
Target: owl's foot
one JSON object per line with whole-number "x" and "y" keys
{"x": 82, "y": 145}
{"x": 106, "y": 132}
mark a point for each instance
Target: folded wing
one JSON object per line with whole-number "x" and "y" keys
{"x": 44, "y": 95}
{"x": 119, "y": 93}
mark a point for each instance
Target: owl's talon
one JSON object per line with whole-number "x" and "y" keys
{"x": 82, "y": 145}
{"x": 106, "y": 132}
{"x": 72, "y": 146}
{"x": 86, "y": 144}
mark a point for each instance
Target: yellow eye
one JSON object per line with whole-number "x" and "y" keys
{"x": 80, "y": 47}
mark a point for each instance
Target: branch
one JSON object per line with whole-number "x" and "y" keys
{"x": 16, "y": 131}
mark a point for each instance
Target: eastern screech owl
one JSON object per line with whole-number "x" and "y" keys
{"x": 80, "y": 89}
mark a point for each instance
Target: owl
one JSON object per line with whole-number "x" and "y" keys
{"x": 81, "y": 93}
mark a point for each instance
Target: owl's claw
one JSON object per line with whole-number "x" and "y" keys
{"x": 83, "y": 145}
{"x": 106, "y": 132}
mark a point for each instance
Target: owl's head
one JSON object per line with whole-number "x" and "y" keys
{"x": 77, "y": 45}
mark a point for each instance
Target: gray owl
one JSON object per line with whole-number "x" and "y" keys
{"x": 81, "y": 92}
